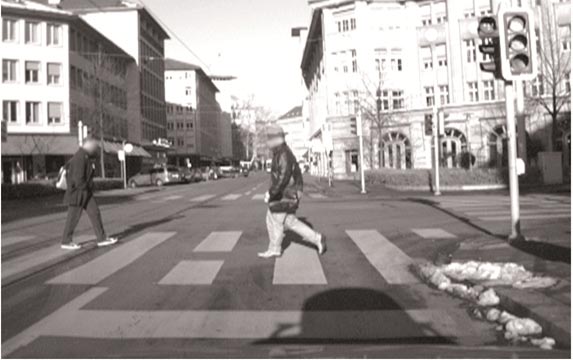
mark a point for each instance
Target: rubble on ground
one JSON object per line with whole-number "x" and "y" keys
{"x": 453, "y": 279}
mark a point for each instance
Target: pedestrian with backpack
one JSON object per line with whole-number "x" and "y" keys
{"x": 78, "y": 174}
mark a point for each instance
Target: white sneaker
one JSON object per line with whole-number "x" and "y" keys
{"x": 107, "y": 242}
{"x": 321, "y": 245}
{"x": 71, "y": 246}
{"x": 269, "y": 254}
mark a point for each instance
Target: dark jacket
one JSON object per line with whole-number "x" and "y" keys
{"x": 286, "y": 181}
{"x": 80, "y": 173}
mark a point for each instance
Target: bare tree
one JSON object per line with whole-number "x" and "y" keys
{"x": 552, "y": 91}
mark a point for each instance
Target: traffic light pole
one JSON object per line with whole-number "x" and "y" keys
{"x": 361, "y": 149}
{"x": 436, "y": 136}
{"x": 515, "y": 234}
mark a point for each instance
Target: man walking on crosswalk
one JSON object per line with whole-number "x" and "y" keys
{"x": 283, "y": 197}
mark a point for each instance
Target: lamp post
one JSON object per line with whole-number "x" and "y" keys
{"x": 431, "y": 36}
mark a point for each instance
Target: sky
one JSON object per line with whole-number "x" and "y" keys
{"x": 249, "y": 39}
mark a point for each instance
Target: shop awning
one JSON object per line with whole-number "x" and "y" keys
{"x": 39, "y": 144}
{"x": 113, "y": 147}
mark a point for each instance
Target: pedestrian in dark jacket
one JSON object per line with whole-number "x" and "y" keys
{"x": 79, "y": 196}
{"x": 283, "y": 197}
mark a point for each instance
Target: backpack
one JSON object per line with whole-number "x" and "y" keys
{"x": 62, "y": 182}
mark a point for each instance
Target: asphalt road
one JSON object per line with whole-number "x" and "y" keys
{"x": 185, "y": 280}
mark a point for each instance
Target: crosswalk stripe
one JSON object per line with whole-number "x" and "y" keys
{"x": 109, "y": 263}
{"x": 193, "y": 272}
{"x": 39, "y": 257}
{"x": 202, "y": 198}
{"x": 219, "y": 241}
{"x": 316, "y": 196}
{"x": 231, "y": 197}
{"x": 299, "y": 265}
{"x": 10, "y": 240}
{"x": 173, "y": 197}
{"x": 434, "y": 234}
{"x": 526, "y": 217}
{"x": 70, "y": 321}
{"x": 259, "y": 197}
{"x": 391, "y": 262}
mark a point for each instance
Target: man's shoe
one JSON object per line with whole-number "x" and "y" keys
{"x": 71, "y": 246}
{"x": 269, "y": 254}
{"x": 107, "y": 242}
{"x": 321, "y": 245}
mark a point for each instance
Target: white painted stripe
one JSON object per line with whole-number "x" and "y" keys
{"x": 202, "y": 198}
{"x": 193, "y": 272}
{"x": 231, "y": 197}
{"x": 109, "y": 263}
{"x": 259, "y": 197}
{"x": 434, "y": 234}
{"x": 39, "y": 257}
{"x": 526, "y": 217}
{"x": 70, "y": 321}
{"x": 299, "y": 265}
{"x": 391, "y": 262}
{"x": 10, "y": 240}
{"x": 248, "y": 193}
{"x": 521, "y": 211}
{"x": 219, "y": 241}
{"x": 316, "y": 196}
{"x": 173, "y": 197}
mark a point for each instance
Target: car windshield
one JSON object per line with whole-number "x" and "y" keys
{"x": 172, "y": 169}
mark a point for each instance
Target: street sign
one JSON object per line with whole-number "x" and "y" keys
{"x": 121, "y": 155}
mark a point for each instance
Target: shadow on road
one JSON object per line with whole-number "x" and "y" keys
{"x": 292, "y": 237}
{"x": 354, "y": 316}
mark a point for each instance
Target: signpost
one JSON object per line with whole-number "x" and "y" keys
{"x": 121, "y": 155}
{"x": 361, "y": 148}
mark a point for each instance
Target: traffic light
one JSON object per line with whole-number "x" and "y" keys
{"x": 428, "y": 125}
{"x": 353, "y": 127}
{"x": 517, "y": 43}
{"x": 489, "y": 35}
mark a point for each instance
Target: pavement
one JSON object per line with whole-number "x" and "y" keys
{"x": 185, "y": 280}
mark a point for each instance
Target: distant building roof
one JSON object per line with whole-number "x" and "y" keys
{"x": 177, "y": 65}
{"x": 292, "y": 113}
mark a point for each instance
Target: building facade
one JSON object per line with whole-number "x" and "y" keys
{"x": 359, "y": 54}
{"x": 296, "y": 129}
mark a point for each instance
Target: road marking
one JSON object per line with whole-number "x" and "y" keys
{"x": 10, "y": 240}
{"x": 219, "y": 241}
{"x": 109, "y": 263}
{"x": 248, "y": 192}
{"x": 521, "y": 211}
{"x": 193, "y": 272}
{"x": 259, "y": 197}
{"x": 173, "y": 197}
{"x": 70, "y": 321}
{"x": 231, "y": 197}
{"x": 202, "y": 198}
{"x": 391, "y": 262}
{"x": 39, "y": 257}
{"x": 527, "y": 217}
{"x": 434, "y": 234}
{"x": 299, "y": 265}
{"x": 316, "y": 196}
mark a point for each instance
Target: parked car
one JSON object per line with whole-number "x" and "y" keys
{"x": 157, "y": 176}
{"x": 229, "y": 171}
{"x": 190, "y": 175}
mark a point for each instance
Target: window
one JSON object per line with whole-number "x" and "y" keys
{"x": 473, "y": 93}
{"x": 396, "y": 62}
{"x": 355, "y": 101}
{"x": 188, "y": 91}
{"x": 568, "y": 82}
{"x": 9, "y": 70}
{"x": 32, "y": 112}
{"x": 354, "y": 61}
{"x": 337, "y": 107}
{"x": 352, "y": 23}
{"x": 537, "y": 88}
{"x": 54, "y": 73}
{"x": 488, "y": 90}
{"x": 380, "y": 59}
{"x": 8, "y": 30}
{"x": 10, "y": 111}
{"x": 385, "y": 100}
{"x": 346, "y": 25}
{"x": 565, "y": 35}
{"x": 32, "y": 32}
{"x": 426, "y": 22}
{"x": 470, "y": 51}
{"x": 189, "y": 125}
{"x": 397, "y": 99}
{"x": 441, "y": 18}
{"x": 469, "y": 14}
{"x": 444, "y": 94}
{"x": 442, "y": 62}
{"x": 54, "y": 113}
{"x": 428, "y": 64}
{"x": 429, "y": 90}
{"x": 54, "y": 34}
{"x": 32, "y": 72}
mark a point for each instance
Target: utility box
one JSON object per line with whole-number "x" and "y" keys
{"x": 551, "y": 167}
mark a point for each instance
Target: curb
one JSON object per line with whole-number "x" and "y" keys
{"x": 449, "y": 187}
{"x": 550, "y": 326}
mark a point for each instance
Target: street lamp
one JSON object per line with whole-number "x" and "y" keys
{"x": 431, "y": 36}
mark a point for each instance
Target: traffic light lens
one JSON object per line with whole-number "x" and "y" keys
{"x": 487, "y": 25}
{"x": 516, "y": 24}
{"x": 518, "y": 43}
{"x": 519, "y": 63}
